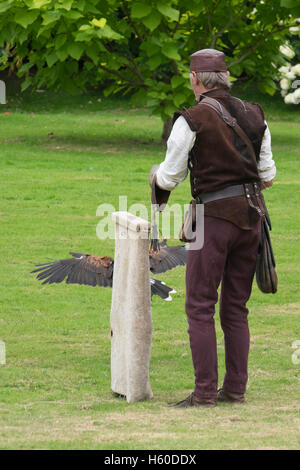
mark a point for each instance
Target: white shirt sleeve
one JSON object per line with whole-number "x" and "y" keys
{"x": 173, "y": 170}
{"x": 266, "y": 165}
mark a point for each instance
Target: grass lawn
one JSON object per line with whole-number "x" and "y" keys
{"x": 60, "y": 158}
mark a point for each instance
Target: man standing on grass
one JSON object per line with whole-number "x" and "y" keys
{"x": 222, "y": 174}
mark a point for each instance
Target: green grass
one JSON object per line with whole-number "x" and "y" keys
{"x": 60, "y": 158}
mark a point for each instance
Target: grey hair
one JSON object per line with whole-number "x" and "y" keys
{"x": 214, "y": 79}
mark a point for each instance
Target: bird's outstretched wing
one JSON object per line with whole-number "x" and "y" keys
{"x": 167, "y": 257}
{"x": 81, "y": 269}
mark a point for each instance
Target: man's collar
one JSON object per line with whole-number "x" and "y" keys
{"x": 220, "y": 92}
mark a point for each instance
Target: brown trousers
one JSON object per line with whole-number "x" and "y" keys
{"x": 228, "y": 254}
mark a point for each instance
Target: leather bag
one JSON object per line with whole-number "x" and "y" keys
{"x": 266, "y": 277}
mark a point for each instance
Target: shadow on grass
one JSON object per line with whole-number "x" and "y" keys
{"x": 82, "y": 143}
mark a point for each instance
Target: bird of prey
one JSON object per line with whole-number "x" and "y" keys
{"x": 98, "y": 271}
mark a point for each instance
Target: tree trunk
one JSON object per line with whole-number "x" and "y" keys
{"x": 168, "y": 124}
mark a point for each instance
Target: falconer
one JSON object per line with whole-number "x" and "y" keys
{"x": 222, "y": 174}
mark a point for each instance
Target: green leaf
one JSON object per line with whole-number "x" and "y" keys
{"x": 68, "y": 85}
{"x": 176, "y": 81}
{"x": 250, "y": 65}
{"x": 108, "y": 91}
{"x": 62, "y": 28}
{"x": 26, "y": 83}
{"x": 73, "y": 15}
{"x": 92, "y": 51}
{"x": 66, "y": 4}
{"x": 23, "y": 35}
{"x": 150, "y": 48}
{"x": 154, "y": 61}
{"x": 60, "y": 40}
{"x": 293, "y": 5}
{"x": 139, "y": 10}
{"x": 169, "y": 110}
{"x": 107, "y": 32}
{"x": 39, "y": 3}
{"x": 152, "y": 21}
{"x": 24, "y": 68}
{"x": 85, "y": 35}
{"x": 237, "y": 69}
{"x": 84, "y": 27}
{"x": 81, "y": 5}
{"x": 88, "y": 65}
{"x": 25, "y": 17}
{"x": 4, "y": 6}
{"x": 179, "y": 99}
{"x": 289, "y": 3}
{"x": 170, "y": 51}
{"x": 99, "y": 23}
{"x": 62, "y": 54}
{"x": 75, "y": 50}
{"x": 266, "y": 88}
{"x": 152, "y": 101}
{"x": 168, "y": 11}
{"x": 138, "y": 97}
{"x": 50, "y": 17}
{"x": 51, "y": 59}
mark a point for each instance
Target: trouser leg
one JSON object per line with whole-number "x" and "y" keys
{"x": 236, "y": 289}
{"x": 203, "y": 275}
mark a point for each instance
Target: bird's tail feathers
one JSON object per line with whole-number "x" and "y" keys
{"x": 161, "y": 289}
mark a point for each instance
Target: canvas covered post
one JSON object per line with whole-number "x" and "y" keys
{"x": 131, "y": 316}
{"x": 2, "y": 92}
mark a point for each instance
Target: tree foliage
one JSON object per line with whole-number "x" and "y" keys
{"x": 141, "y": 46}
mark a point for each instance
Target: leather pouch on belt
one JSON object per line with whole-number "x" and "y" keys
{"x": 188, "y": 229}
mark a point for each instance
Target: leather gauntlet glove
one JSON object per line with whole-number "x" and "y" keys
{"x": 159, "y": 197}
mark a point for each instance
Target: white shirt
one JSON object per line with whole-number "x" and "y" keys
{"x": 173, "y": 170}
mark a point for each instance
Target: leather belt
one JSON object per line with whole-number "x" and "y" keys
{"x": 230, "y": 191}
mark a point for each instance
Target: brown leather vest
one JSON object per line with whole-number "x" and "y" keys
{"x": 220, "y": 159}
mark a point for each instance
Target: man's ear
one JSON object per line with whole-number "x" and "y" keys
{"x": 194, "y": 78}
